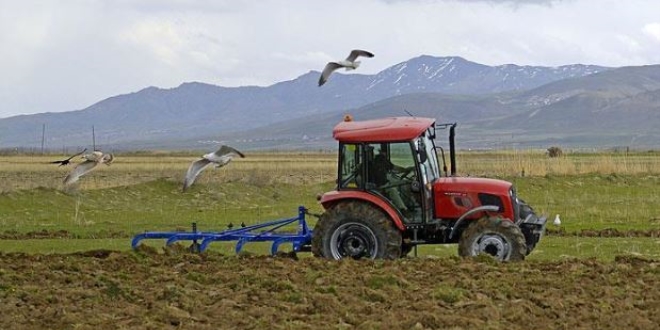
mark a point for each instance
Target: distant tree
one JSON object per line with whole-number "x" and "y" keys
{"x": 554, "y": 152}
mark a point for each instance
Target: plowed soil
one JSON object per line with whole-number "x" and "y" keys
{"x": 176, "y": 290}
{"x": 50, "y": 234}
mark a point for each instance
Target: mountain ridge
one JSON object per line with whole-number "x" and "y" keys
{"x": 475, "y": 94}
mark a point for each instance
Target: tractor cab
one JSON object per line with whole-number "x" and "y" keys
{"x": 400, "y": 172}
{"x": 398, "y": 167}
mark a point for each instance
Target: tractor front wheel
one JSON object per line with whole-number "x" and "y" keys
{"x": 356, "y": 230}
{"x": 494, "y": 236}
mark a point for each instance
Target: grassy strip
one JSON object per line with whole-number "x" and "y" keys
{"x": 595, "y": 201}
{"x": 156, "y": 205}
{"x": 550, "y": 248}
{"x": 143, "y": 194}
{"x": 584, "y": 202}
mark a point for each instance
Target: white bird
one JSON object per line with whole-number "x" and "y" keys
{"x": 557, "y": 221}
{"x": 349, "y": 63}
{"x": 220, "y": 158}
{"x": 92, "y": 159}
{"x": 93, "y": 156}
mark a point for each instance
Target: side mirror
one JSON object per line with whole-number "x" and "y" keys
{"x": 422, "y": 156}
{"x": 421, "y": 151}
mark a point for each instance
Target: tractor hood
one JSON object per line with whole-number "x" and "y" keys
{"x": 454, "y": 196}
{"x": 463, "y": 186}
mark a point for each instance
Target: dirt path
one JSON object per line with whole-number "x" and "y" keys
{"x": 147, "y": 290}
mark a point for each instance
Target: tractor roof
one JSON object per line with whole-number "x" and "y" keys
{"x": 384, "y": 129}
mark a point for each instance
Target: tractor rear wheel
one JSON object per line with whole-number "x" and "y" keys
{"x": 356, "y": 230}
{"x": 494, "y": 236}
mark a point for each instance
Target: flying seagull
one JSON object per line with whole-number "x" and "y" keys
{"x": 68, "y": 160}
{"x": 349, "y": 63}
{"x": 220, "y": 158}
{"x": 91, "y": 161}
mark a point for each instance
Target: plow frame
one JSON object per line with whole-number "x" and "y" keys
{"x": 301, "y": 240}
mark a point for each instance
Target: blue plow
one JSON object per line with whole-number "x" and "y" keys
{"x": 264, "y": 232}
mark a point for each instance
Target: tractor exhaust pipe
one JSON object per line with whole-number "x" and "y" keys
{"x": 452, "y": 148}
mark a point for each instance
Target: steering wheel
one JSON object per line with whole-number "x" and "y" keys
{"x": 404, "y": 177}
{"x": 407, "y": 173}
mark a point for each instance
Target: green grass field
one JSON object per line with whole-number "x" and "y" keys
{"x": 143, "y": 193}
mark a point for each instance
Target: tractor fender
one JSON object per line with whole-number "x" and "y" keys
{"x": 333, "y": 197}
{"x": 484, "y": 208}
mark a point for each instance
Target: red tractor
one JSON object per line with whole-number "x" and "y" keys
{"x": 392, "y": 194}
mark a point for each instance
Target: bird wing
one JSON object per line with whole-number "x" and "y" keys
{"x": 78, "y": 171}
{"x": 193, "y": 171}
{"x": 357, "y": 52}
{"x": 327, "y": 71}
{"x": 78, "y": 154}
{"x": 66, "y": 161}
{"x": 227, "y": 150}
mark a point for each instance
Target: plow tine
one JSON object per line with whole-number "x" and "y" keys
{"x": 276, "y": 244}
{"x": 239, "y": 244}
{"x": 184, "y": 237}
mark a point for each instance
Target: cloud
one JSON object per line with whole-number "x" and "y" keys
{"x": 75, "y": 53}
{"x": 653, "y": 30}
{"x": 507, "y": 2}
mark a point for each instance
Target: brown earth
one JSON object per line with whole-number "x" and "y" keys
{"x": 50, "y": 234}
{"x": 176, "y": 290}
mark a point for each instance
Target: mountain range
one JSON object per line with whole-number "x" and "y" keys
{"x": 494, "y": 106}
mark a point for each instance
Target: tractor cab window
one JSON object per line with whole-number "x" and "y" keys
{"x": 427, "y": 158}
{"x": 388, "y": 158}
{"x": 350, "y": 166}
{"x": 392, "y": 174}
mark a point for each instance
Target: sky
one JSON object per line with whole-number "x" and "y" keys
{"x": 65, "y": 55}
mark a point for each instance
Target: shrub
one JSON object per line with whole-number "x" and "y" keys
{"x": 555, "y": 152}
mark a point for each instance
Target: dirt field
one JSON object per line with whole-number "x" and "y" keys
{"x": 150, "y": 290}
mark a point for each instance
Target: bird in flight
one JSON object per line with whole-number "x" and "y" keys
{"x": 92, "y": 159}
{"x": 349, "y": 63}
{"x": 68, "y": 160}
{"x": 220, "y": 158}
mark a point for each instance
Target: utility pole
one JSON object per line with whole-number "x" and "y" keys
{"x": 93, "y": 139}
{"x": 43, "y": 137}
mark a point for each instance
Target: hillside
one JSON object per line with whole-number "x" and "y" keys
{"x": 178, "y": 117}
{"x": 616, "y": 108}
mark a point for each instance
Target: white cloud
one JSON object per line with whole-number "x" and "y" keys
{"x": 158, "y": 37}
{"x": 58, "y": 56}
{"x": 653, "y": 30}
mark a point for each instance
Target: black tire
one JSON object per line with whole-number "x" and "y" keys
{"x": 355, "y": 229}
{"x": 406, "y": 249}
{"x": 494, "y": 236}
